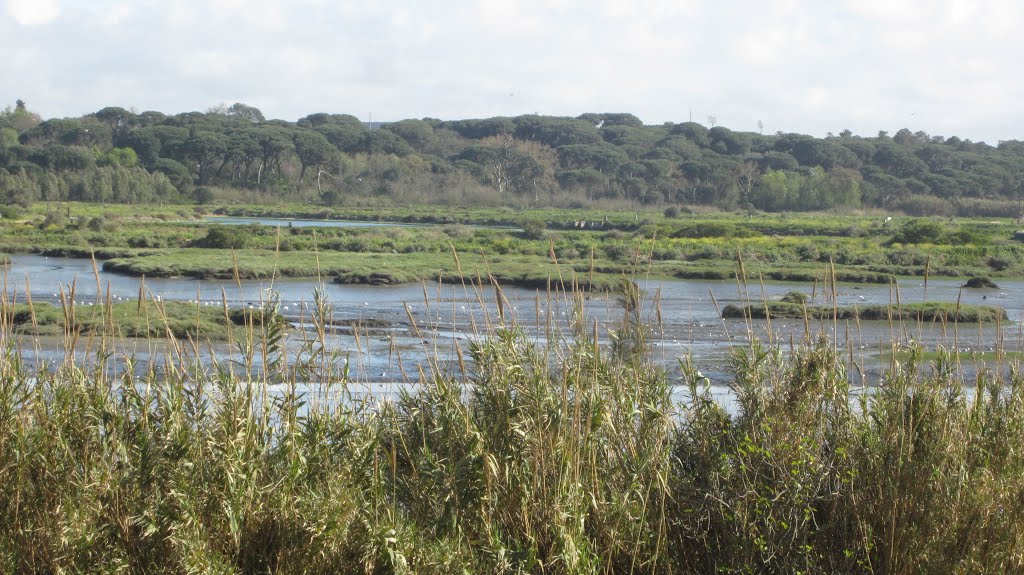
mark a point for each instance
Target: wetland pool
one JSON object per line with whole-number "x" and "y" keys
{"x": 402, "y": 326}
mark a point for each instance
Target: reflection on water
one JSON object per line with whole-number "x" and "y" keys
{"x": 413, "y": 322}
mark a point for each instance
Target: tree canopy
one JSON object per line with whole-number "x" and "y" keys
{"x": 115, "y": 154}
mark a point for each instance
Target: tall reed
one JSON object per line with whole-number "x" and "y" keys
{"x": 568, "y": 453}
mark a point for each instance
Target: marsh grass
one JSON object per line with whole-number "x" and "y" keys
{"x": 168, "y": 242}
{"x": 928, "y": 312}
{"x": 127, "y": 319}
{"x": 565, "y": 453}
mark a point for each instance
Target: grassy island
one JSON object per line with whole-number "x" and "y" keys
{"x": 129, "y": 319}
{"x": 926, "y": 312}
{"x": 519, "y": 247}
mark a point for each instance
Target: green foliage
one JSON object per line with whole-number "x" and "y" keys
{"x": 203, "y": 195}
{"x": 125, "y": 157}
{"x": 10, "y": 212}
{"x": 712, "y": 230}
{"x": 54, "y": 219}
{"x": 152, "y": 240}
{"x": 229, "y": 237}
{"x": 8, "y": 137}
{"x": 534, "y": 229}
{"x": 794, "y": 296}
{"x": 148, "y": 319}
{"x": 926, "y": 312}
{"x": 528, "y": 456}
{"x": 595, "y": 159}
{"x": 919, "y": 231}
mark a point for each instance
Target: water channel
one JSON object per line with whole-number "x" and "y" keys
{"x": 412, "y": 322}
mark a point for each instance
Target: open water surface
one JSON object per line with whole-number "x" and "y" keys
{"x": 404, "y": 325}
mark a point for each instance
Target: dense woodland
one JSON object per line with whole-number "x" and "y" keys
{"x": 233, "y": 152}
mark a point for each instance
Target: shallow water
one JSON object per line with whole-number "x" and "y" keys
{"x": 414, "y": 322}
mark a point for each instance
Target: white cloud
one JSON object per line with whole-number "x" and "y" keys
{"x": 798, "y": 65}
{"x": 33, "y": 12}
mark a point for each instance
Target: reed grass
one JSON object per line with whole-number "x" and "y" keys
{"x": 522, "y": 454}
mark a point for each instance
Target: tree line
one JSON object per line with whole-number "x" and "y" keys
{"x": 118, "y": 155}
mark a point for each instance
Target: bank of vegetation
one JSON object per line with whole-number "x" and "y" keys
{"x": 235, "y": 154}
{"x": 518, "y": 456}
{"x": 931, "y": 312}
{"x": 147, "y": 318}
{"x": 516, "y": 247}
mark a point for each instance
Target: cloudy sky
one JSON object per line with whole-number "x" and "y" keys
{"x": 947, "y": 67}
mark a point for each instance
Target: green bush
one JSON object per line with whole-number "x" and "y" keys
{"x": 1001, "y": 263}
{"x": 919, "y": 231}
{"x": 203, "y": 195}
{"x": 713, "y": 230}
{"x": 794, "y": 296}
{"x": 534, "y": 229}
{"x": 54, "y": 219}
{"x": 10, "y": 212}
{"x": 229, "y": 237}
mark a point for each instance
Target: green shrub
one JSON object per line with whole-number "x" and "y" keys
{"x": 794, "y": 296}
{"x": 1001, "y": 263}
{"x": 203, "y": 195}
{"x": 713, "y": 230}
{"x": 534, "y": 229}
{"x": 10, "y": 212}
{"x": 919, "y": 231}
{"x": 228, "y": 237}
{"x": 53, "y": 219}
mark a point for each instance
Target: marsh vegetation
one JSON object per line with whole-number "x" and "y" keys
{"x": 567, "y": 454}
{"x": 519, "y": 248}
{"x": 549, "y": 444}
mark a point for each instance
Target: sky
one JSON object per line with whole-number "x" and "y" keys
{"x": 945, "y": 67}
